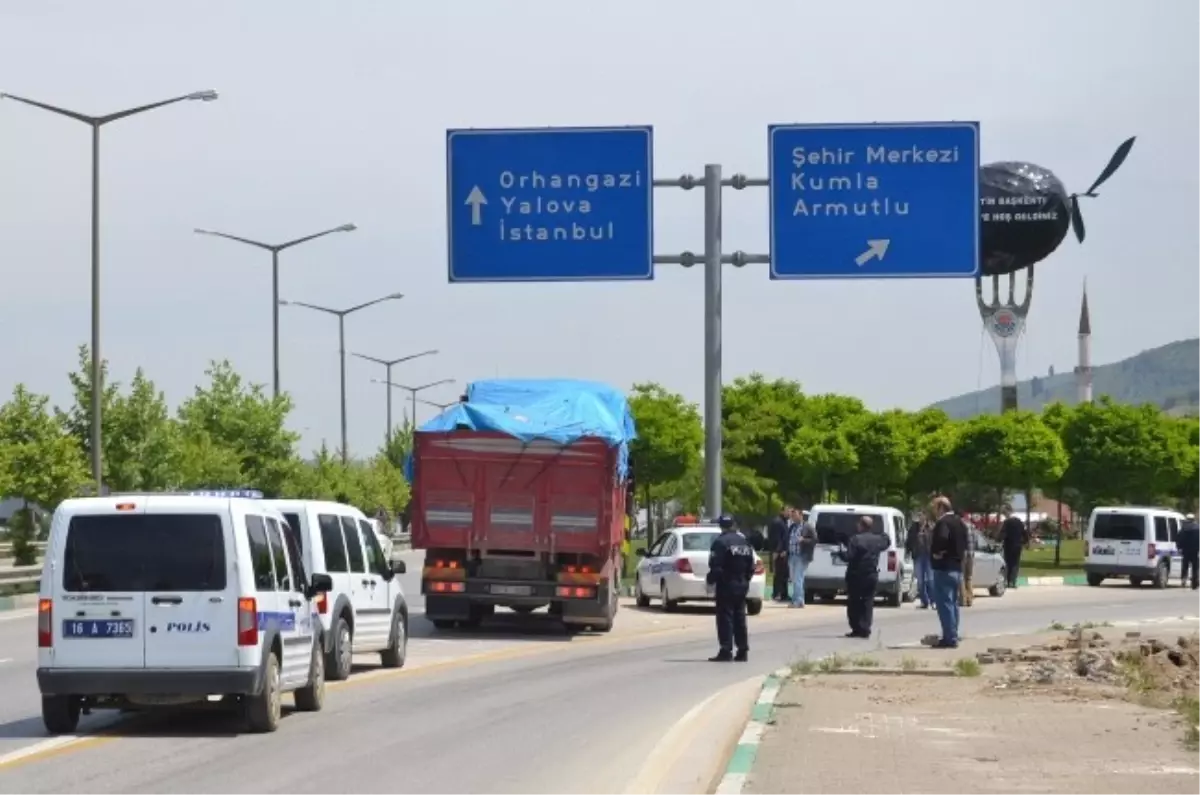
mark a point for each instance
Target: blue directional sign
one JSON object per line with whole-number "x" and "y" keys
{"x": 874, "y": 201}
{"x": 554, "y": 204}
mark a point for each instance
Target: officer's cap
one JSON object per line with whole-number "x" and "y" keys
{"x": 725, "y": 522}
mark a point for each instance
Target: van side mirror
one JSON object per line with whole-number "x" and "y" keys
{"x": 319, "y": 583}
{"x": 399, "y": 567}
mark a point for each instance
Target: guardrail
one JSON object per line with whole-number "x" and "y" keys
{"x": 20, "y": 575}
{"x": 6, "y": 548}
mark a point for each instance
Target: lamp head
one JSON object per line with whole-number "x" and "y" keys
{"x": 346, "y": 228}
{"x": 203, "y": 96}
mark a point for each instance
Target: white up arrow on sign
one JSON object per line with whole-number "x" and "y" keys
{"x": 876, "y": 249}
{"x": 476, "y": 199}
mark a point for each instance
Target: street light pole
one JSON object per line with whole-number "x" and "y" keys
{"x": 275, "y": 248}
{"x": 389, "y": 364}
{"x": 413, "y": 390}
{"x": 341, "y": 314}
{"x": 96, "y": 122}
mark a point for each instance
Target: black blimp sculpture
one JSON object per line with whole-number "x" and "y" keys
{"x": 1025, "y": 215}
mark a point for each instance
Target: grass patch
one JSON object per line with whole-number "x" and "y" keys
{"x": 1189, "y": 708}
{"x": 967, "y": 666}
{"x": 1040, "y": 562}
{"x": 1056, "y": 626}
{"x": 803, "y": 667}
{"x": 865, "y": 661}
{"x": 834, "y": 662}
{"x": 911, "y": 664}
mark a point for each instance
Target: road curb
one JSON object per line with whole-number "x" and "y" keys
{"x": 1073, "y": 579}
{"x": 737, "y": 771}
{"x": 18, "y": 602}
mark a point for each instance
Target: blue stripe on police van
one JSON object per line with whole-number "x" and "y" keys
{"x": 276, "y": 620}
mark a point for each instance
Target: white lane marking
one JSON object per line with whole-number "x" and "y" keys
{"x": 13, "y": 615}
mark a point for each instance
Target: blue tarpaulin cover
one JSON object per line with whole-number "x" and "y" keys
{"x": 558, "y": 410}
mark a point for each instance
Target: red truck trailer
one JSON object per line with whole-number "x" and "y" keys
{"x": 519, "y": 500}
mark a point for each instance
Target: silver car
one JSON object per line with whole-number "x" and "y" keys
{"x": 990, "y": 571}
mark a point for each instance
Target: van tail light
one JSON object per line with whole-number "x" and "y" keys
{"x": 891, "y": 560}
{"x": 322, "y": 603}
{"x": 45, "y": 623}
{"x": 759, "y": 568}
{"x": 247, "y": 621}
{"x": 683, "y": 566}
{"x": 1151, "y": 551}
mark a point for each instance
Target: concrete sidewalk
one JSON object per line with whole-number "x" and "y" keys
{"x": 924, "y": 729}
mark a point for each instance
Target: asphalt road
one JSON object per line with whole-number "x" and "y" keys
{"x": 536, "y": 713}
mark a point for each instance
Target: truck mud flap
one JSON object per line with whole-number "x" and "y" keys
{"x": 590, "y": 611}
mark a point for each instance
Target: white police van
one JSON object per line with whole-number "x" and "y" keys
{"x": 1132, "y": 542}
{"x": 151, "y": 600}
{"x": 834, "y": 525}
{"x": 365, "y": 610}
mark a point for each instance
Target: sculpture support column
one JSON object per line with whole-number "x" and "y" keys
{"x": 1005, "y": 322}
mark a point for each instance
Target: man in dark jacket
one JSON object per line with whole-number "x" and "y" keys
{"x": 948, "y": 547}
{"x": 1012, "y": 534}
{"x": 917, "y": 548}
{"x": 777, "y": 546}
{"x": 1189, "y": 549}
{"x": 861, "y": 554}
{"x": 730, "y": 568}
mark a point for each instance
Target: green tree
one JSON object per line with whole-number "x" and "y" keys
{"x": 242, "y": 418}
{"x": 760, "y": 419}
{"x": 1187, "y": 481}
{"x": 77, "y": 419}
{"x": 43, "y": 464}
{"x": 884, "y": 446}
{"x": 199, "y": 462}
{"x": 140, "y": 449}
{"x": 379, "y": 485}
{"x": 1014, "y": 450}
{"x": 931, "y": 467}
{"x": 399, "y": 444}
{"x": 1119, "y": 453}
{"x": 325, "y": 477}
{"x": 669, "y": 439}
{"x": 820, "y": 453}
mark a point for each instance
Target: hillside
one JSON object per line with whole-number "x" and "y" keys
{"x": 1168, "y": 377}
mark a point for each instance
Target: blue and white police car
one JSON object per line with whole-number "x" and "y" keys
{"x": 673, "y": 569}
{"x": 158, "y": 600}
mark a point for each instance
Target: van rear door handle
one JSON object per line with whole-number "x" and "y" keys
{"x": 365, "y": 583}
{"x": 166, "y": 600}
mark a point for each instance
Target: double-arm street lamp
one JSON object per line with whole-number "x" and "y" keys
{"x": 414, "y": 390}
{"x": 275, "y": 248}
{"x": 341, "y": 314}
{"x": 389, "y": 364}
{"x": 96, "y": 122}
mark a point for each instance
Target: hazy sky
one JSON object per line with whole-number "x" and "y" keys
{"x": 336, "y": 112}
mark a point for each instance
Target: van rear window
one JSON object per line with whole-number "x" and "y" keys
{"x": 1119, "y": 527}
{"x": 836, "y": 528}
{"x": 145, "y": 552}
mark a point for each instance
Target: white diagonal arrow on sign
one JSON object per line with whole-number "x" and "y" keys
{"x": 876, "y": 249}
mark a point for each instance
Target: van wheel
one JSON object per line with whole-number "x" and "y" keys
{"x": 341, "y": 656}
{"x": 311, "y": 697}
{"x": 60, "y": 714}
{"x": 396, "y": 652}
{"x": 264, "y": 709}
{"x": 669, "y": 605}
{"x": 896, "y": 597}
{"x": 1001, "y": 584}
{"x": 1094, "y": 580}
{"x": 753, "y": 607}
{"x": 1162, "y": 575}
{"x": 641, "y": 598}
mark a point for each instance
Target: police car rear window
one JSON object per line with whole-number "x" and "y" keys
{"x": 836, "y": 528}
{"x": 145, "y": 552}
{"x": 698, "y": 542}
{"x": 1119, "y": 527}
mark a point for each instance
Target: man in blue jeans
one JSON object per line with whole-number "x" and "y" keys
{"x": 917, "y": 547}
{"x": 947, "y": 550}
{"x": 802, "y": 540}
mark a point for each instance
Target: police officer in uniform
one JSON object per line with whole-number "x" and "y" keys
{"x": 730, "y": 567}
{"x": 861, "y": 553}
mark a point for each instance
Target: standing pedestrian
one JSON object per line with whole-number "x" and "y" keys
{"x": 947, "y": 549}
{"x": 917, "y": 547}
{"x": 777, "y": 541}
{"x": 802, "y": 540}
{"x": 1012, "y": 534}
{"x": 730, "y": 567}
{"x": 861, "y": 553}
{"x": 1188, "y": 542}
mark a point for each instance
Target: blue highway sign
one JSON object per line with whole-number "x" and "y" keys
{"x": 874, "y": 201}
{"x": 553, "y": 204}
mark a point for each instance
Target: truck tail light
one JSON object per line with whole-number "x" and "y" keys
{"x": 322, "y": 603}
{"x": 759, "y": 568}
{"x": 1151, "y": 551}
{"x": 438, "y": 586}
{"x": 45, "y": 623}
{"x": 891, "y": 560}
{"x": 574, "y": 592}
{"x": 247, "y": 621}
{"x": 683, "y": 566}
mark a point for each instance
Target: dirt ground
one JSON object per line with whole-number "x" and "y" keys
{"x": 1091, "y": 710}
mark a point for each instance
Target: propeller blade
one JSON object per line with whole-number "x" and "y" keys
{"x": 1113, "y": 164}
{"x": 1077, "y": 220}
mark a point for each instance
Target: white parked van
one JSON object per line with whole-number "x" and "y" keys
{"x": 162, "y": 600}
{"x": 1132, "y": 542}
{"x": 826, "y": 575}
{"x": 364, "y": 610}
